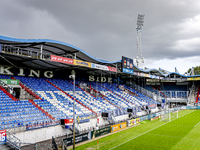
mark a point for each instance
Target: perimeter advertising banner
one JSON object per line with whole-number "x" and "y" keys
{"x": 193, "y": 79}
{"x": 62, "y": 59}
{"x": 83, "y": 119}
{"x": 137, "y": 120}
{"x": 10, "y": 81}
{"x": 78, "y": 139}
{"x": 118, "y": 127}
{"x": 100, "y": 67}
{"x": 131, "y": 122}
{"x": 127, "y": 65}
{"x": 103, "y": 67}
{"x": 100, "y": 132}
{"x": 2, "y": 137}
{"x": 112, "y": 69}
{"x": 82, "y": 63}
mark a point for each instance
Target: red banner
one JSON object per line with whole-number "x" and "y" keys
{"x": 62, "y": 59}
{"x": 112, "y": 69}
{"x": 68, "y": 121}
{"x": 2, "y": 137}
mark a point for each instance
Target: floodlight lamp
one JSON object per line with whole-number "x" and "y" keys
{"x": 140, "y": 21}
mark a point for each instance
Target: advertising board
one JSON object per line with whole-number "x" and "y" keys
{"x": 103, "y": 67}
{"x": 100, "y": 132}
{"x": 131, "y": 122}
{"x": 62, "y": 59}
{"x": 78, "y": 139}
{"x": 2, "y": 137}
{"x": 118, "y": 127}
{"x": 127, "y": 65}
{"x": 10, "y": 81}
{"x": 137, "y": 120}
{"x": 82, "y": 119}
{"x": 82, "y": 63}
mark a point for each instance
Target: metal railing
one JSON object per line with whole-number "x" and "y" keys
{"x": 148, "y": 93}
{"x": 13, "y": 141}
{"x": 176, "y": 94}
{"x": 32, "y": 126}
{"x": 25, "y": 52}
{"x": 7, "y": 88}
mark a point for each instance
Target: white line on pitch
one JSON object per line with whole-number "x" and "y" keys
{"x": 196, "y": 124}
{"x": 147, "y": 132}
{"x": 173, "y": 136}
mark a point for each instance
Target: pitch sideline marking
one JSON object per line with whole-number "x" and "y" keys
{"x": 173, "y": 136}
{"x": 147, "y": 132}
{"x": 196, "y": 124}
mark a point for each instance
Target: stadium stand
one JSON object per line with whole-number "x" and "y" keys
{"x": 106, "y": 93}
{"x": 55, "y": 103}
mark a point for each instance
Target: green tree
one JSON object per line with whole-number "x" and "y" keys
{"x": 196, "y": 71}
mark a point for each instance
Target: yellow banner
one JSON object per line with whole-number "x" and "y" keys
{"x": 118, "y": 127}
{"x": 115, "y": 128}
{"x": 82, "y": 63}
{"x": 192, "y": 79}
{"x": 132, "y": 122}
{"x": 123, "y": 125}
{"x": 137, "y": 120}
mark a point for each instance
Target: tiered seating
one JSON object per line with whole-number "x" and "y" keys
{"x": 109, "y": 96}
{"x": 18, "y": 113}
{"x": 96, "y": 104}
{"x": 179, "y": 91}
{"x": 121, "y": 98}
{"x": 156, "y": 90}
{"x": 48, "y": 92}
{"x": 57, "y": 101}
{"x": 141, "y": 97}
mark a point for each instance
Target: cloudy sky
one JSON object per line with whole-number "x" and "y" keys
{"x": 106, "y": 29}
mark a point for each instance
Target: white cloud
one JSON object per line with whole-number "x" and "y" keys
{"x": 187, "y": 45}
{"x": 190, "y": 26}
{"x": 182, "y": 64}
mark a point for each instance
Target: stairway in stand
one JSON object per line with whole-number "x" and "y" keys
{"x": 71, "y": 97}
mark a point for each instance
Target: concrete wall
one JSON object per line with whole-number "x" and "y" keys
{"x": 39, "y": 135}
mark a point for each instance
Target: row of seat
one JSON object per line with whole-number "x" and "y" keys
{"x": 60, "y": 104}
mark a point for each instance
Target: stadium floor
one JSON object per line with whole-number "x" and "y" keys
{"x": 181, "y": 133}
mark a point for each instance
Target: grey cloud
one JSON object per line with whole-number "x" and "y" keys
{"x": 104, "y": 29}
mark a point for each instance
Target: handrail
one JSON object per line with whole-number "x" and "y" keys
{"x": 148, "y": 93}
{"x": 4, "y": 84}
{"x": 25, "y": 52}
{"x": 191, "y": 91}
{"x": 13, "y": 141}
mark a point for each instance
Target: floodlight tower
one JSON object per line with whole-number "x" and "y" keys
{"x": 139, "y": 58}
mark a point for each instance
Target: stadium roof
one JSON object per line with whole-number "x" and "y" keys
{"x": 53, "y": 47}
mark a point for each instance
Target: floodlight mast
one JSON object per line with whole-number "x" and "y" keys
{"x": 139, "y": 58}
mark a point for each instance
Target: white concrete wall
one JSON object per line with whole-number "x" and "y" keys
{"x": 38, "y": 135}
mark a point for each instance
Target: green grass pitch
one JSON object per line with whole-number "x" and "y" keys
{"x": 179, "y": 134}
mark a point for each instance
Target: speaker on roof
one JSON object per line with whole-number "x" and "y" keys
{"x": 62, "y": 121}
{"x": 158, "y": 105}
{"x": 129, "y": 110}
{"x": 104, "y": 115}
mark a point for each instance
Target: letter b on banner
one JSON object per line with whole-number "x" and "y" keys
{"x": 2, "y": 136}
